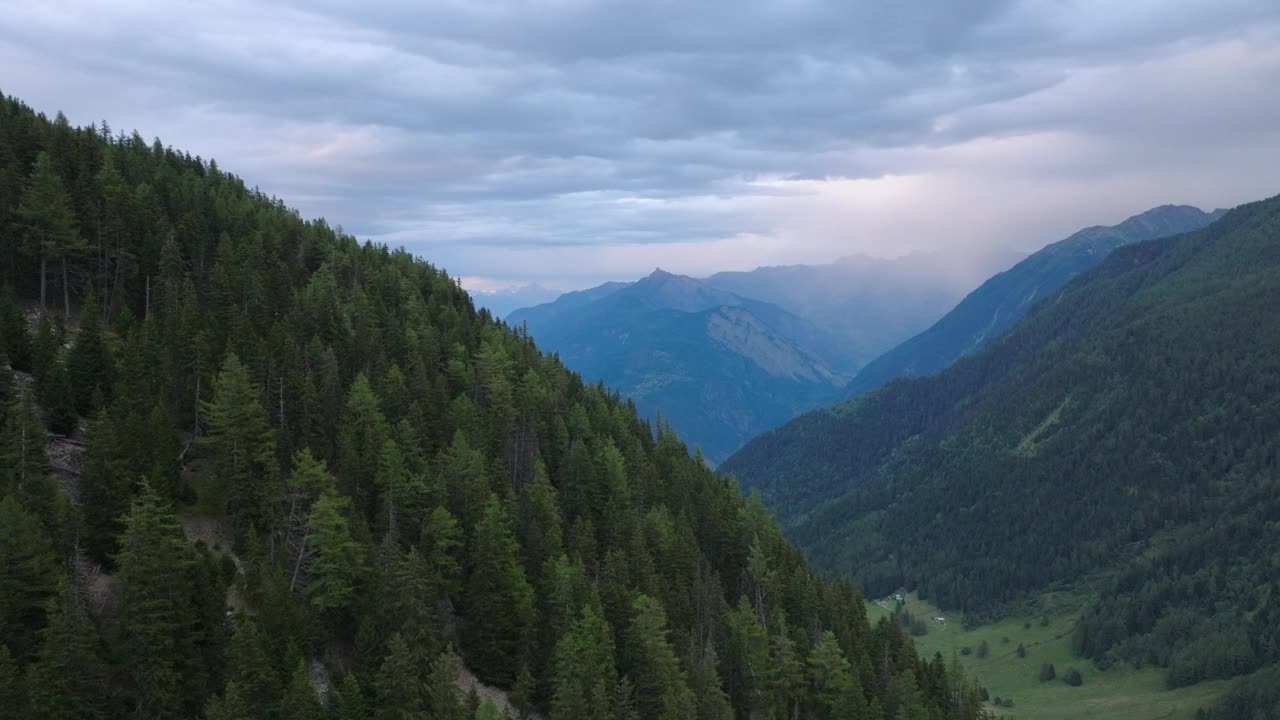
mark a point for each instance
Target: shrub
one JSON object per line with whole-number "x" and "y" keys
{"x": 1047, "y": 672}
{"x": 1073, "y": 677}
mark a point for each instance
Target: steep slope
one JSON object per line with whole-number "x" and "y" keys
{"x": 870, "y": 304}
{"x": 1002, "y": 300}
{"x": 718, "y": 367}
{"x": 403, "y": 477}
{"x": 1126, "y": 433}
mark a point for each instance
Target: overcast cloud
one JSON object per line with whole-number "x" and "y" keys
{"x": 567, "y": 142}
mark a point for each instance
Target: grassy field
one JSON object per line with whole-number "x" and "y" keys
{"x": 1121, "y": 693}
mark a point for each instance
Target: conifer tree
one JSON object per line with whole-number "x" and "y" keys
{"x": 401, "y": 695}
{"x": 711, "y": 701}
{"x": 59, "y": 399}
{"x": 499, "y": 601}
{"x": 661, "y": 689}
{"x": 339, "y": 559}
{"x": 300, "y": 701}
{"x": 834, "y": 689}
{"x": 26, "y": 577}
{"x": 156, "y": 619}
{"x": 68, "y": 679}
{"x": 48, "y": 223}
{"x": 584, "y": 672}
{"x": 13, "y": 695}
{"x": 89, "y": 363}
{"x": 442, "y": 537}
{"x": 15, "y": 340}
{"x": 230, "y": 705}
{"x": 249, "y": 667}
{"x": 242, "y": 444}
{"x": 350, "y": 702}
{"x": 105, "y": 491}
{"x": 361, "y": 437}
{"x": 786, "y": 676}
{"x": 442, "y": 688}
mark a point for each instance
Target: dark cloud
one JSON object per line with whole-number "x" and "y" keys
{"x": 502, "y": 138}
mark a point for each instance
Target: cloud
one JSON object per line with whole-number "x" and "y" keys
{"x": 568, "y": 141}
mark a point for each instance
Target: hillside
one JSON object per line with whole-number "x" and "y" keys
{"x": 870, "y": 304}
{"x": 1124, "y": 436}
{"x": 385, "y": 490}
{"x": 718, "y": 367}
{"x": 1001, "y": 301}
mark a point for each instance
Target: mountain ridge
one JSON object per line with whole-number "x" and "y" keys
{"x": 999, "y": 302}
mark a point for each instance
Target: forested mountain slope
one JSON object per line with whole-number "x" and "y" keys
{"x": 720, "y": 367}
{"x": 397, "y": 476}
{"x": 1002, "y": 300}
{"x": 1127, "y": 431}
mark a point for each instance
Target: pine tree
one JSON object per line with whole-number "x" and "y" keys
{"x": 584, "y": 675}
{"x": 26, "y": 577}
{"x": 661, "y": 689}
{"x": 711, "y": 700}
{"x": 48, "y": 223}
{"x": 361, "y": 438}
{"x": 15, "y": 340}
{"x": 13, "y": 695}
{"x": 400, "y": 692}
{"x": 242, "y": 444}
{"x": 249, "y": 667}
{"x": 499, "y": 601}
{"x": 442, "y": 537}
{"x": 59, "y": 399}
{"x": 89, "y": 363}
{"x": 411, "y": 606}
{"x": 786, "y": 676}
{"x": 350, "y": 702}
{"x": 442, "y": 688}
{"x": 339, "y": 559}
{"x": 230, "y": 705}
{"x": 68, "y": 679}
{"x": 834, "y": 689}
{"x": 300, "y": 701}
{"x": 105, "y": 491}
{"x": 156, "y": 619}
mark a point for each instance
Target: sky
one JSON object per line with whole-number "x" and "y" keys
{"x": 567, "y": 142}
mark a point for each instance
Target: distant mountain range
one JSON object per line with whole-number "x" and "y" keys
{"x": 871, "y": 304}
{"x": 1122, "y": 440}
{"x": 500, "y": 303}
{"x": 730, "y": 356}
{"x": 1001, "y": 301}
{"x": 719, "y": 367}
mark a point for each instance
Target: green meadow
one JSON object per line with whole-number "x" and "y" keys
{"x": 1120, "y": 693}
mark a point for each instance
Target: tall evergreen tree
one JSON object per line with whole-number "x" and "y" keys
{"x": 49, "y": 225}
{"x": 27, "y": 578}
{"x": 584, "y": 683}
{"x": 242, "y": 444}
{"x": 499, "y": 601}
{"x": 68, "y": 680}
{"x": 12, "y": 691}
{"x": 401, "y": 695}
{"x": 156, "y": 619}
{"x": 300, "y": 701}
{"x": 89, "y": 362}
{"x": 662, "y": 691}
{"x": 339, "y": 562}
